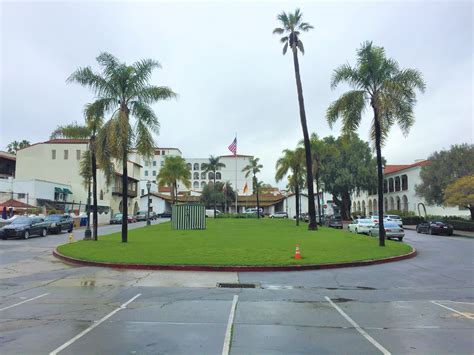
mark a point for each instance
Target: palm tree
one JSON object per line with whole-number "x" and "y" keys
{"x": 292, "y": 160}
{"x": 173, "y": 170}
{"x": 292, "y": 25}
{"x": 93, "y": 123}
{"x": 253, "y": 167}
{"x": 124, "y": 90}
{"x": 391, "y": 92}
{"x": 212, "y": 166}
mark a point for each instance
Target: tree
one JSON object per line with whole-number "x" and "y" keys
{"x": 124, "y": 90}
{"x": 292, "y": 25}
{"x": 229, "y": 194}
{"x": 461, "y": 193}
{"x": 15, "y": 146}
{"x": 347, "y": 166}
{"x": 391, "y": 92}
{"x": 444, "y": 168}
{"x": 219, "y": 192}
{"x": 253, "y": 168}
{"x": 93, "y": 123}
{"x": 294, "y": 161}
{"x": 173, "y": 170}
{"x": 212, "y": 166}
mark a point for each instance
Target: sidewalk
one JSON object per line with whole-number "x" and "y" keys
{"x": 457, "y": 233}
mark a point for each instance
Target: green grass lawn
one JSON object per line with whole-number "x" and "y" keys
{"x": 234, "y": 242}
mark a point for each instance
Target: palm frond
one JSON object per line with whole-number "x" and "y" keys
{"x": 152, "y": 94}
{"x": 300, "y": 46}
{"x": 145, "y": 115}
{"x": 73, "y": 130}
{"x": 349, "y": 107}
{"x": 144, "y": 142}
{"x": 86, "y": 77}
{"x": 285, "y": 48}
{"x": 345, "y": 73}
{"x": 278, "y": 31}
{"x": 284, "y": 39}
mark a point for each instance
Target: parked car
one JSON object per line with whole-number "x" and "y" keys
{"x": 142, "y": 216}
{"x": 394, "y": 218}
{"x": 374, "y": 219}
{"x": 116, "y": 219}
{"x": 392, "y": 230}
{"x": 334, "y": 222}
{"x": 25, "y": 227}
{"x": 254, "y": 211}
{"x": 361, "y": 226}
{"x": 210, "y": 213}
{"x": 131, "y": 218}
{"x": 58, "y": 223}
{"x": 280, "y": 214}
{"x": 165, "y": 214}
{"x": 153, "y": 215}
{"x": 435, "y": 227}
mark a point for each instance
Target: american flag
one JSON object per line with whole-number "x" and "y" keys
{"x": 233, "y": 146}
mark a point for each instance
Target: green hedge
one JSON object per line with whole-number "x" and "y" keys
{"x": 462, "y": 225}
{"x": 413, "y": 220}
{"x": 236, "y": 215}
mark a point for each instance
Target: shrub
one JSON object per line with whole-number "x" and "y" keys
{"x": 236, "y": 215}
{"x": 412, "y": 220}
{"x": 401, "y": 213}
{"x": 53, "y": 211}
{"x": 462, "y": 225}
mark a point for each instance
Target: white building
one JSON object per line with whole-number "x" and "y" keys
{"x": 400, "y": 195}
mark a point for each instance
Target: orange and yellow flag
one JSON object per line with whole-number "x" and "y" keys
{"x": 246, "y": 188}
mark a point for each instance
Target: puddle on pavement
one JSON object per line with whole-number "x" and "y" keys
{"x": 341, "y": 300}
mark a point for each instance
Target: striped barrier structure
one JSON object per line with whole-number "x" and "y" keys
{"x": 188, "y": 216}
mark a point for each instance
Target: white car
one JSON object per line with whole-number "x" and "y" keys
{"x": 210, "y": 213}
{"x": 279, "y": 215}
{"x": 394, "y": 218}
{"x": 361, "y": 226}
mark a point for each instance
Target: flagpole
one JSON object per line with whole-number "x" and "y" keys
{"x": 236, "y": 187}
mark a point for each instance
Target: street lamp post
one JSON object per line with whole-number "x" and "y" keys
{"x": 88, "y": 233}
{"x": 148, "y": 187}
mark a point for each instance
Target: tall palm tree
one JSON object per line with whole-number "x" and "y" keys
{"x": 212, "y": 166}
{"x": 124, "y": 91}
{"x": 292, "y": 26}
{"x": 294, "y": 161}
{"x": 390, "y": 91}
{"x": 254, "y": 167}
{"x": 93, "y": 123}
{"x": 173, "y": 170}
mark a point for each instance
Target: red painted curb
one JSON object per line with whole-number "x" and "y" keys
{"x": 80, "y": 262}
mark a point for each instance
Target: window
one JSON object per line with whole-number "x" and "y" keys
{"x": 218, "y": 176}
{"x": 146, "y": 172}
{"x": 203, "y": 183}
{"x": 154, "y": 162}
{"x": 20, "y": 196}
{"x": 78, "y": 154}
{"x": 196, "y": 184}
{"x": 203, "y": 166}
{"x": 162, "y": 152}
{"x": 404, "y": 182}
{"x": 397, "y": 183}
{"x": 390, "y": 186}
{"x": 203, "y": 176}
{"x": 101, "y": 194}
{"x": 154, "y": 172}
{"x": 150, "y": 201}
{"x": 196, "y": 175}
{"x": 53, "y": 154}
{"x": 211, "y": 175}
{"x": 157, "y": 152}
{"x": 66, "y": 154}
{"x": 161, "y": 163}
{"x": 189, "y": 166}
{"x": 385, "y": 186}
{"x": 196, "y": 166}
{"x": 143, "y": 192}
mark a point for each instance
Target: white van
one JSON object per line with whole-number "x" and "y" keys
{"x": 210, "y": 213}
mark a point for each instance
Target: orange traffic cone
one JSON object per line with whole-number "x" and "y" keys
{"x": 297, "y": 252}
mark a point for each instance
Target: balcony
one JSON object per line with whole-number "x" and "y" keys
{"x": 118, "y": 191}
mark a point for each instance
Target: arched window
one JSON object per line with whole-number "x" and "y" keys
{"x": 358, "y": 206}
{"x": 392, "y": 203}
{"x": 385, "y": 204}
{"x": 399, "y": 205}
{"x": 203, "y": 183}
{"x": 404, "y": 182}
{"x": 196, "y": 175}
{"x": 385, "y": 186}
{"x": 101, "y": 194}
{"x": 196, "y": 166}
{"x": 390, "y": 185}
{"x": 203, "y": 166}
{"x": 354, "y": 207}
{"x": 375, "y": 207}
{"x": 211, "y": 175}
{"x": 371, "y": 211}
{"x": 405, "y": 202}
{"x": 196, "y": 184}
{"x": 363, "y": 208}
{"x": 397, "y": 183}
{"x": 203, "y": 176}
{"x": 189, "y": 166}
{"x": 120, "y": 206}
{"x": 218, "y": 176}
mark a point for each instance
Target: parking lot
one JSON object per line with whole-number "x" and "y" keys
{"x": 423, "y": 305}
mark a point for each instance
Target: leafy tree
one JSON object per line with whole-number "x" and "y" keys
{"x": 445, "y": 167}
{"x": 253, "y": 168}
{"x": 229, "y": 194}
{"x": 461, "y": 193}
{"x": 347, "y": 166}
{"x": 15, "y": 146}
{"x": 124, "y": 91}
{"x": 391, "y": 92}
{"x": 212, "y": 166}
{"x": 218, "y": 193}
{"x": 292, "y": 26}
{"x": 173, "y": 170}
{"x": 88, "y": 165}
{"x": 292, "y": 161}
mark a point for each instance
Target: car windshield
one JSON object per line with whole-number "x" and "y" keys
{"x": 118, "y": 215}
{"x": 53, "y": 218}
{"x": 390, "y": 224}
{"x": 22, "y": 220}
{"x": 393, "y": 216}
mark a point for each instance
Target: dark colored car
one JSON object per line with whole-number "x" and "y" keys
{"x": 142, "y": 216}
{"x": 131, "y": 218}
{"x": 334, "y": 222}
{"x": 25, "y": 227}
{"x": 116, "y": 219}
{"x": 435, "y": 227}
{"x": 165, "y": 214}
{"x": 58, "y": 223}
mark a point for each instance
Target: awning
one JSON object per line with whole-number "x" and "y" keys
{"x": 67, "y": 191}
{"x": 58, "y": 189}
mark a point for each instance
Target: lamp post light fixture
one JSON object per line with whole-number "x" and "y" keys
{"x": 148, "y": 187}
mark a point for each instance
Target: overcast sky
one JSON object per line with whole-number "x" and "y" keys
{"x": 229, "y": 71}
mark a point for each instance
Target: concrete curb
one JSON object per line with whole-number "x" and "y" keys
{"x": 455, "y": 233}
{"x": 80, "y": 262}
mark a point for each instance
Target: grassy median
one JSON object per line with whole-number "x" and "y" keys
{"x": 234, "y": 242}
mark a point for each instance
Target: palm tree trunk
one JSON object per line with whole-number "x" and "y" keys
{"x": 297, "y": 202}
{"x": 379, "y": 176}
{"x": 258, "y": 199}
{"x": 214, "y": 188}
{"x": 307, "y": 147}
{"x": 124, "y": 199}
{"x": 319, "y": 199}
{"x": 94, "y": 190}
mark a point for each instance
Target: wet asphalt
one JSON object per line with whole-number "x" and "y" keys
{"x": 423, "y": 305}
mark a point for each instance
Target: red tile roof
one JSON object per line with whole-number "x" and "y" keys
{"x": 389, "y": 169}
{"x": 67, "y": 141}
{"x": 15, "y": 204}
{"x": 7, "y": 156}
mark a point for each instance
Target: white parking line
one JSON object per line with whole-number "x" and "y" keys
{"x": 230, "y": 324}
{"x": 470, "y": 303}
{"x": 80, "y": 335}
{"x": 358, "y": 328}
{"x": 28, "y": 300}
{"x": 453, "y": 310}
